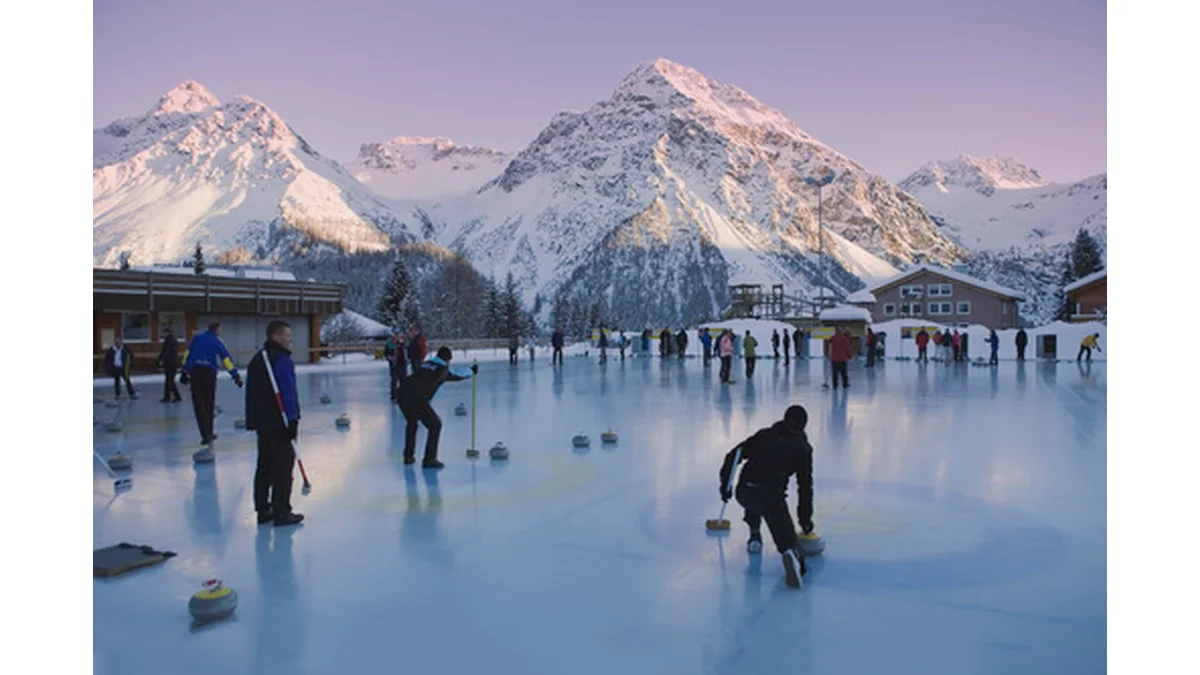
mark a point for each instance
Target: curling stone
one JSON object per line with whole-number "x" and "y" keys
{"x": 342, "y": 422}
{"x": 325, "y": 399}
{"x": 581, "y": 441}
{"x": 214, "y": 601}
{"x": 239, "y": 423}
{"x": 204, "y": 455}
{"x": 114, "y": 427}
{"x": 811, "y": 544}
{"x": 498, "y": 451}
{"x": 112, "y": 404}
{"x": 609, "y": 436}
{"x": 460, "y": 409}
{"x": 120, "y": 462}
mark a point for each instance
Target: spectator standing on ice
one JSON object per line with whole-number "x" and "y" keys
{"x": 415, "y": 399}
{"x": 966, "y": 353}
{"x": 1022, "y": 340}
{"x": 514, "y": 344}
{"x": 118, "y": 361}
{"x": 725, "y": 352}
{"x": 603, "y": 344}
{"x": 622, "y": 342}
{"x": 276, "y": 454}
{"x": 922, "y": 344}
{"x": 839, "y": 356}
{"x": 168, "y": 360}
{"x": 1086, "y": 346}
{"x": 800, "y": 337}
{"x": 956, "y": 344}
{"x": 664, "y": 342}
{"x": 681, "y": 340}
{"x": 706, "y": 341}
{"x": 787, "y": 348}
{"x": 556, "y": 341}
{"x": 204, "y": 356}
{"x": 870, "y": 348}
{"x": 775, "y": 342}
{"x": 393, "y": 351}
{"x": 994, "y": 341}
{"x": 532, "y": 344}
{"x": 751, "y": 345}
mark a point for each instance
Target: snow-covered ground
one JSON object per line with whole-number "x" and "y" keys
{"x": 964, "y": 513}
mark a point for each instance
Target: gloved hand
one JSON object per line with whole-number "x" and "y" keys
{"x": 726, "y": 493}
{"x": 183, "y": 378}
{"x": 237, "y": 379}
{"x": 474, "y": 368}
{"x": 806, "y": 526}
{"x": 293, "y": 429}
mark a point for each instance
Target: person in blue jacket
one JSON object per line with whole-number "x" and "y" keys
{"x": 995, "y": 342}
{"x": 276, "y": 454}
{"x": 203, "y": 357}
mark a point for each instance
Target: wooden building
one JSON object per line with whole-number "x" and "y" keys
{"x": 946, "y": 297}
{"x": 1089, "y": 295}
{"x": 136, "y": 305}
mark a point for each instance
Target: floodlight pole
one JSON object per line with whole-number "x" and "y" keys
{"x": 825, "y": 180}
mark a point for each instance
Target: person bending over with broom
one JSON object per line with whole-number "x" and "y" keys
{"x": 772, "y": 455}
{"x": 415, "y": 394}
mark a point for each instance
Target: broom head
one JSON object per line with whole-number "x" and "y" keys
{"x": 716, "y": 525}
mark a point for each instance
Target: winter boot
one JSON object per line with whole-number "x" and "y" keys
{"x": 288, "y": 519}
{"x": 755, "y": 543}
{"x": 794, "y": 568}
{"x": 432, "y": 464}
{"x": 410, "y": 459}
{"x": 265, "y": 517}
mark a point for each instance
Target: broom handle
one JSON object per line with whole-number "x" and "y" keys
{"x": 475, "y": 363}
{"x": 283, "y": 413}
{"x": 737, "y": 456}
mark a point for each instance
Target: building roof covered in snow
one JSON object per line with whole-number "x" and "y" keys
{"x": 227, "y": 272}
{"x": 845, "y": 313}
{"x": 952, "y": 275}
{"x": 1086, "y": 281}
{"x": 863, "y": 297}
{"x": 369, "y": 327}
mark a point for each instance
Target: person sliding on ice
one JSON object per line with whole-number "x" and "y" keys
{"x": 118, "y": 360}
{"x": 168, "y": 360}
{"x": 725, "y": 351}
{"x": 771, "y": 457}
{"x": 276, "y": 454}
{"x": 556, "y": 341}
{"x": 994, "y": 340}
{"x": 1086, "y": 346}
{"x": 415, "y": 397}
{"x": 751, "y": 345}
{"x": 787, "y": 348}
{"x": 839, "y": 356}
{"x": 1022, "y": 340}
{"x": 203, "y": 357}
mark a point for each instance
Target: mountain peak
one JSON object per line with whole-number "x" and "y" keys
{"x": 984, "y": 175}
{"x": 187, "y": 97}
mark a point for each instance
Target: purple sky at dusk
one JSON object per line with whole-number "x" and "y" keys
{"x": 890, "y": 84}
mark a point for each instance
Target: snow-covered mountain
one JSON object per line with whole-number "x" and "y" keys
{"x": 657, "y": 198}
{"x": 228, "y": 176}
{"x": 1017, "y": 226}
{"x": 408, "y": 168}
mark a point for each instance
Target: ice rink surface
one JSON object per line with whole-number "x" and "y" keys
{"x": 964, "y": 511}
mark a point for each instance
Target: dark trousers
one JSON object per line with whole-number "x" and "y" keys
{"x": 273, "y": 476}
{"x": 170, "y": 391}
{"x": 204, "y": 399}
{"x": 1020, "y": 352}
{"x": 870, "y": 355}
{"x": 707, "y": 353}
{"x": 773, "y": 508}
{"x": 512, "y": 356}
{"x": 726, "y": 363}
{"x": 787, "y": 354}
{"x": 117, "y": 377}
{"x": 995, "y": 358}
{"x": 420, "y": 411}
{"x": 1082, "y": 351}
{"x": 839, "y": 367}
{"x": 398, "y": 373}
{"x": 750, "y": 366}
{"x": 556, "y": 357}
{"x": 921, "y": 354}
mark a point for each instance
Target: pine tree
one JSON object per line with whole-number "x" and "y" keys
{"x": 512, "y": 307}
{"x": 396, "y": 290}
{"x": 1065, "y": 307}
{"x": 123, "y": 261}
{"x": 198, "y": 260}
{"x": 560, "y": 315}
{"x": 1085, "y": 255}
{"x": 412, "y": 311}
{"x": 493, "y": 311}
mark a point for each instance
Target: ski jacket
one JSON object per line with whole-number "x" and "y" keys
{"x": 1022, "y": 339}
{"x": 416, "y": 349}
{"x": 725, "y": 345}
{"x": 262, "y": 408}
{"x": 750, "y": 344}
{"x": 956, "y": 340}
{"x": 839, "y": 348}
{"x": 1090, "y": 342}
{"x": 994, "y": 340}
{"x": 423, "y": 385}
{"x": 207, "y": 351}
{"x": 771, "y": 457}
{"x": 922, "y": 339}
{"x": 557, "y": 339}
{"x": 706, "y": 340}
{"x": 169, "y": 356}
{"x": 787, "y": 341}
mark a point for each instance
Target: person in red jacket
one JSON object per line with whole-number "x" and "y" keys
{"x": 922, "y": 343}
{"x": 839, "y": 355}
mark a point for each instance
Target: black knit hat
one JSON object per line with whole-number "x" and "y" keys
{"x": 796, "y": 416}
{"x": 444, "y": 354}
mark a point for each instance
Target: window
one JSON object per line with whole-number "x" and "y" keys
{"x": 936, "y": 308}
{"x": 135, "y": 326}
{"x": 912, "y": 291}
{"x": 1004, "y": 308}
{"x": 889, "y": 309}
{"x": 910, "y": 308}
{"x": 964, "y": 308}
{"x": 940, "y": 290}
{"x": 175, "y": 321}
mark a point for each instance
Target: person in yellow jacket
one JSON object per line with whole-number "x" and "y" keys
{"x": 750, "y": 346}
{"x": 1087, "y": 345}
